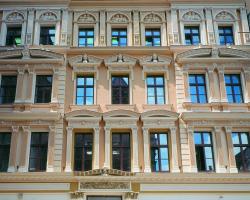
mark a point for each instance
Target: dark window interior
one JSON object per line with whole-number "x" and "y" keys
{"x": 43, "y": 88}
{"x": 226, "y": 35}
{"x": 5, "y": 140}
{"x": 153, "y": 37}
{"x": 8, "y": 89}
{"x": 13, "y": 36}
{"x": 192, "y": 35}
{"x": 119, "y": 37}
{"x": 120, "y": 90}
{"x": 86, "y": 37}
{"x": 47, "y": 35}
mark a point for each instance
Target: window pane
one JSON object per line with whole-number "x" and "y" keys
{"x": 159, "y": 81}
{"x": 150, "y": 80}
{"x": 197, "y": 138}
{"x": 206, "y": 138}
{"x": 151, "y": 100}
{"x": 164, "y": 165}
{"x": 164, "y": 153}
{"x": 235, "y": 138}
{"x": 208, "y": 152}
{"x": 89, "y": 92}
{"x": 151, "y": 92}
{"x": 244, "y": 138}
{"x": 89, "y": 100}
{"x": 80, "y": 92}
{"x": 163, "y": 139}
{"x": 209, "y": 165}
{"x": 160, "y": 100}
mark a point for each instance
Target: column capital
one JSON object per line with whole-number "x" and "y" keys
{"x": 107, "y": 129}
{"x": 134, "y": 129}
{"x": 190, "y": 129}
{"x": 52, "y": 129}
{"x": 26, "y": 129}
{"x": 55, "y": 71}
{"x": 220, "y": 69}
{"x": 145, "y": 130}
{"x": 210, "y": 69}
{"x": 69, "y": 129}
{"x": 15, "y": 129}
{"x": 217, "y": 129}
{"x": 96, "y": 129}
{"x": 173, "y": 129}
{"x": 20, "y": 70}
{"x": 131, "y": 195}
{"x": 77, "y": 195}
{"x": 228, "y": 129}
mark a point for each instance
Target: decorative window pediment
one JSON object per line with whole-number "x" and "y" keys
{"x": 119, "y": 18}
{"x": 85, "y": 64}
{"x": 15, "y": 17}
{"x": 120, "y": 63}
{"x": 191, "y": 16}
{"x": 212, "y": 54}
{"x": 48, "y": 16}
{"x": 224, "y": 16}
{"x": 155, "y": 63}
{"x": 86, "y": 18}
{"x": 152, "y": 18}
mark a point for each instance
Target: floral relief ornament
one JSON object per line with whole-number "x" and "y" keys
{"x": 48, "y": 16}
{"x": 191, "y": 16}
{"x": 119, "y": 18}
{"x": 150, "y": 18}
{"x": 15, "y": 16}
{"x": 86, "y": 18}
{"x": 224, "y": 16}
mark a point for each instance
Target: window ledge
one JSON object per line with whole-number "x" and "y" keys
{"x": 43, "y": 107}
{"x": 149, "y": 107}
{"x": 95, "y": 108}
{"x": 131, "y": 107}
{"x": 217, "y": 107}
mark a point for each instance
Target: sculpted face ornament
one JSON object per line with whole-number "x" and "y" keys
{"x": 120, "y": 58}
{"x": 154, "y": 58}
{"x": 85, "y": 58}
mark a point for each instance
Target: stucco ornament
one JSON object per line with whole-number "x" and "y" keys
{"x": 191, "y": 16}
{"x": 105, "y": 185}
{"x": 119, "y": 18}
{"x": 225, "y": 16}
{"x": 87, "y": 18}
{"x": 15, "y": 16}
{"x": 151, "y": 18}
{"x": 48, "y": 16}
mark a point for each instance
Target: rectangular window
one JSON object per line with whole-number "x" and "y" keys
{"x": 159, "y": 152}
{"x": 47, "y": 35}
{"x": 13, "y": 36}
{"x": 85, "y": 90}
{"x": 8, "y": 89}
{"x": 5, "y": 140}
{"x": 155, "y": 90}
{"x": 120, "y": 90}
{"x": 192, "y": 35}
{"x": 226, "y": 35}
{"x": 153, "y": 37}
{"x": 83, "y": 151}
{"x": 233, "y": 88}
{"x": 38, "y": 152}
{"x": 121, "y": 151}
{"x": 197, "y": 87}
{"x": 86, "y": 37}
{"x": 119, "y": 37}
{"x": 204, "y": 151}
{"x": 241, "y": 145}
{"x": 43, "y": 88}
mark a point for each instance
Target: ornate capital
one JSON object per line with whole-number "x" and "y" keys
{"x": 131, "y": 195}
{"x": 190, "y": 129}
{"x": 52, "y": 129}
{"x": 15, "y": 129}
{"x": 69, "y": 129}
{"x": 97, "y": 130}
{"x": 145, "y": 130}
{"x": 217, "y": 129}
{"x": 173, "y": 129}
{"x": 77, "y": 195}
{"x": 26, "y": 129}
{"x": 228, "y": 129}
{"x": 134, "y": 130}
{"x": 107, "y": 130}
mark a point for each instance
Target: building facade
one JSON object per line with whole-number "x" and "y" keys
{"x": 121, "y": 100}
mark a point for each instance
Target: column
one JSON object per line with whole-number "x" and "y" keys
{"x": 223, "y": 95}
{"x": 135, "y": 150}
{"x": 68, "y": 167}
{"x": 247, "y": 87}
{"x": 102, "y": 41}
{"x": 64, "y": 31}
{"x": 136, "y": 27}
{"x": 107, "y": 148}
{"x": 169, "y": 27}
{"x": 210, "y": 28}
{"x": 211, "y": 85}
{"x": 147, "y": 166}
{"x": 164, "y": 34}
{"x": 69, "y": 29}
{"x": 219, "y": 161}
{"x": 186, "y": 87}
{"x": 203, "y": 33}
{"x": 245, "y": 27}
{"x": 190, "y": 131}
{"x": 232, "y": 162}
{"x": 37, "y": 31}
{"x": 174, "y": 152}
{"x": 51, "y": 146}
{"x": 108, "y": 36}
{"x": 19, "y": 86}
{"x": 30, "y": 24}
{"x": 25, "y": 149}
{"x": 31, "y": 85}
{"x": 175, "y": 30}
{"x": 96, "y": 42}
{"x": 13, "y": 149}
{"x": 3, "y": 31}
{"x": 130, "y": 34}
{"x": 55, "y": 87}
{"x": 96, "y": 147}
{"x": 75, "y": 34}
{"x": 143, "y": 43}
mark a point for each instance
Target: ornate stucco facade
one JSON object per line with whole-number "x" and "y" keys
{"x": 179, "y": 117}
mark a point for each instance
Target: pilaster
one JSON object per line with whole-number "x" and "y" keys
{"x": 245, "y": 26}
{"x": 96, "y": 147}
{"x": 136, "y": 27}
{"x": 186, "y": 87}
{"x": 19, "y": 86}
{"x": 174, "y": 36}
{"x": 30, "y": 27}
{"x": 210, "y": 27}
{"x": 135, "y": 150}
{"x": 223, "y": 95}
{"x": 174, "y": 152}
{"x": 107, "y": 148}
{"x": 13, "y": 149}
{"x": 190, "y": 131}
{"x": 102, "y": 40}
{"x": 68, "y": 167}
{"x": 147, "y": 166}
{"x": 50, "y": 162}
{"x": 64, "y": 28}
{"x": 55, "y": 85}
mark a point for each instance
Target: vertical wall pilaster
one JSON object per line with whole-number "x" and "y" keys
{"x": 51, "y": 144}
{"x": 174, "y": 152}
{"x": 147, "y": 166}
{"x": 245, "y": 26}
{"x": 223, "y": 95}
{"x": 174, "y": 37}
{"x": 210, "y": 27}
{"x": 186, "y": 87}
{"x": 135, "y": 150}
{"x": 190, "y": 132}
{"x": 55, "y": 85}
{"x": 64, "y": 28}
{"x": 19, "y": 86}
{"x": 136, "y": 27}
{"x": 30, "y": 27}
{"x": 13, "y": 149}
{"x": 102, "y": 40}
{"x": 107, "y": 148}
{"x": 96, "y": 147}
{"x": 68, "y": 167}
{"x": 212, "y": 96}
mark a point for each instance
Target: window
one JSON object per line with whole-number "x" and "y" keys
{"x": 119, "y": 37}
{"x": 83, "y": 151}
{"x": 43, "y": 88}
{"x": 38, "y": 152}
{"x": 86, "y": 37}
{"x": 120, "y": 90}
{"x": 47, "y": 35}
{"x": 121, "y": 151}
{"x": 153, "y": 37}
{"x": 241, "y": 145}
{"x": 8, "y": 89}
{"x": 155, "y": 90}
{"x": 233, "y": 88}
{"x": 226, "y": 35}
{"x": 85, "y": 90}
{"x": 13, "y": 36}
{"x": 204, "y": 151}
{"x": 197, "y": 87}
{"x": 5, "y": 139}
{"x": 192, "y": 35}
{"x": 159, "y": 152}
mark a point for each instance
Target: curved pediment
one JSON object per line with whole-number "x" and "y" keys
{"x": 83, "y": 114}
{"x": 85, "y": 60}
{"x": 159, "y": 114}
{"x": 120, "y": 59}
{"x": 155, "y": 60}
{"x": 121, "y": 114}
{"x": 25, "y": 54}
{"x": 213, "y": 53}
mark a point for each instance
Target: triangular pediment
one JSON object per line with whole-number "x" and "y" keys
{"x": 121, "y": 114}
{"x": 28, "y": 54}
{"x": 85, "y": 60}
{"x": 213, "y": 53}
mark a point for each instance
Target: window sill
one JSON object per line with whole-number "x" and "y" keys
{"x": 131, "y": 107}
{"x": 217, "y": 107}
{"x": 149, "y": 107}
{"x": 95, "y": 108}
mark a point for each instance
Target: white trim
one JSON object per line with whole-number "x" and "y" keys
{"x": 34, "y": 186}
